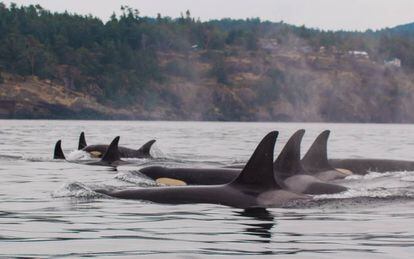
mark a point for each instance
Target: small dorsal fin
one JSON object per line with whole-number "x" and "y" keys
{"x": 258, "y": 171}
{"x": 82, "y": 141}
{"x": 112, "y": 153}
{"x": 58, "y": 153}
{"x": 316, "y": 159}
{"x": 145, "y": 149}
{"x": 288, "y": 162}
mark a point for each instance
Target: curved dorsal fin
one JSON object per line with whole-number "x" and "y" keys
{"x": 288, "y": 162}
{"x": 112, "y": 153}
{"x": 58, "y": 153}
{"x": 82, "y": 141}
{"x": 316, "y": 159}
{"x": 258, "y": 171}
{"x": 145, "y": 149}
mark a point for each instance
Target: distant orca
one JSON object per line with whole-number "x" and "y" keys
{"x": 58, "y": 152}
{"x": 316, "y": 162}
{"x": 288, "y": 170}
{"x": 124, "y": 152}
{"x": 255, "y": 187}
{"x": 110, "y": 158}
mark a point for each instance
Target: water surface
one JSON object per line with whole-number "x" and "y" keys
{"x": 48, "y": 210}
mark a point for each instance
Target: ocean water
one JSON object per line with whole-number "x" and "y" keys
{"x": 48, "y": 208}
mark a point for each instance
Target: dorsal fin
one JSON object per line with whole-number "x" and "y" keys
{"x": 112, "y": 153}
{"x": 82, "y": 141}
{"x": 58, "y": 153}
{"x": 258, "y": 171}
{"x": 316, "y": 159}
{"x": 288, "y": 162}
{"x": 145, "y": 149}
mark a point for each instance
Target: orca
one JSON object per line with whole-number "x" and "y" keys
{"x": 288, "y": 170}
{"x": 58, "y": 152}
{"x": 315, "y": 161}
{"x": 364, "y": 166}
{"x": 99, "y": 149}
{"x": 291, "y": 174}
{"x": 254, "y": 187}
{"x": 191, "y": 176}
{"x": 82, "y": 141}
{"x": 110, "y": 158}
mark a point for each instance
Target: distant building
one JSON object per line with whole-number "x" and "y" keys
{"x": 358, "y": 54}
{"x": 322, "y": 49}
{"x": 395, "y": 62}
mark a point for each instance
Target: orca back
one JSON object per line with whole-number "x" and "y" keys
{"x": 112, "y": 153}
{"x": 58, "y": 152}
{"x": 145, "y": 149}
{"x": 316, "y": 159}
{"x": 288, "y": 162}
{"x": 258, "y": 172}
{"x": 82, "y": 141}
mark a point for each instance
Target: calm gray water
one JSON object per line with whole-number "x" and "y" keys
{"x": 48, "y": 210}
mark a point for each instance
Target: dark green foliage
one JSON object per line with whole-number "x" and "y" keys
{"x": 181, "y": 68}
{"x": 219, "y": 69}
{"x": 270, "y": 86}
{"x": 120, "y": 56}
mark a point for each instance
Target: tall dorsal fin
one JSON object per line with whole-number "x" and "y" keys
{"x": 288, "y": 162}
{"x": 58, "y": 153}
{"x": 112, "y": 153}
{"x": 316, "y": 159}
{"x": 82, "y": 141}
{"x": 145, "y": 149}
{"x": 258, "y": 171}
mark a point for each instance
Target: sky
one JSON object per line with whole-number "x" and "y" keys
{"x": 322, "y": 14}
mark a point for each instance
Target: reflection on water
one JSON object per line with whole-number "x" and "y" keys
{"x": 259, "y": 229}
{"x": 48, "y": 209}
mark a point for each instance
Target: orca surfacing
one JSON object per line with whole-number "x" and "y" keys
{"x": 124, "y": 152}
{"x": 288, "y": 170}
{"x": 111, "y": 156}
{"x": 292, "y": 175}
{"x": 316, "y": 161}
{"x": 254, "y": 187}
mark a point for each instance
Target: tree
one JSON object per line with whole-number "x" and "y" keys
{"x": 34, "y": 49}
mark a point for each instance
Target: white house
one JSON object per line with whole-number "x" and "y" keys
{"x": 359, "y": 54}
{"x": 395, "y": 62}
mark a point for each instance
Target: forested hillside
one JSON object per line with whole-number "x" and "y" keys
{"x": 61, "y": 65}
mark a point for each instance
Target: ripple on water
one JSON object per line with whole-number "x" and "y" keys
{"x": 49, "y": 208}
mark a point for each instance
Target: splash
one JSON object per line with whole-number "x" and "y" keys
{"x": 135, "y": 177}
{"x": 374, "y": 175}
{"x": 155, "y": 152}
{"x": 75, "y": 190}
{"x": 376, "y": 185}
{"x": 79, "y": 155}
